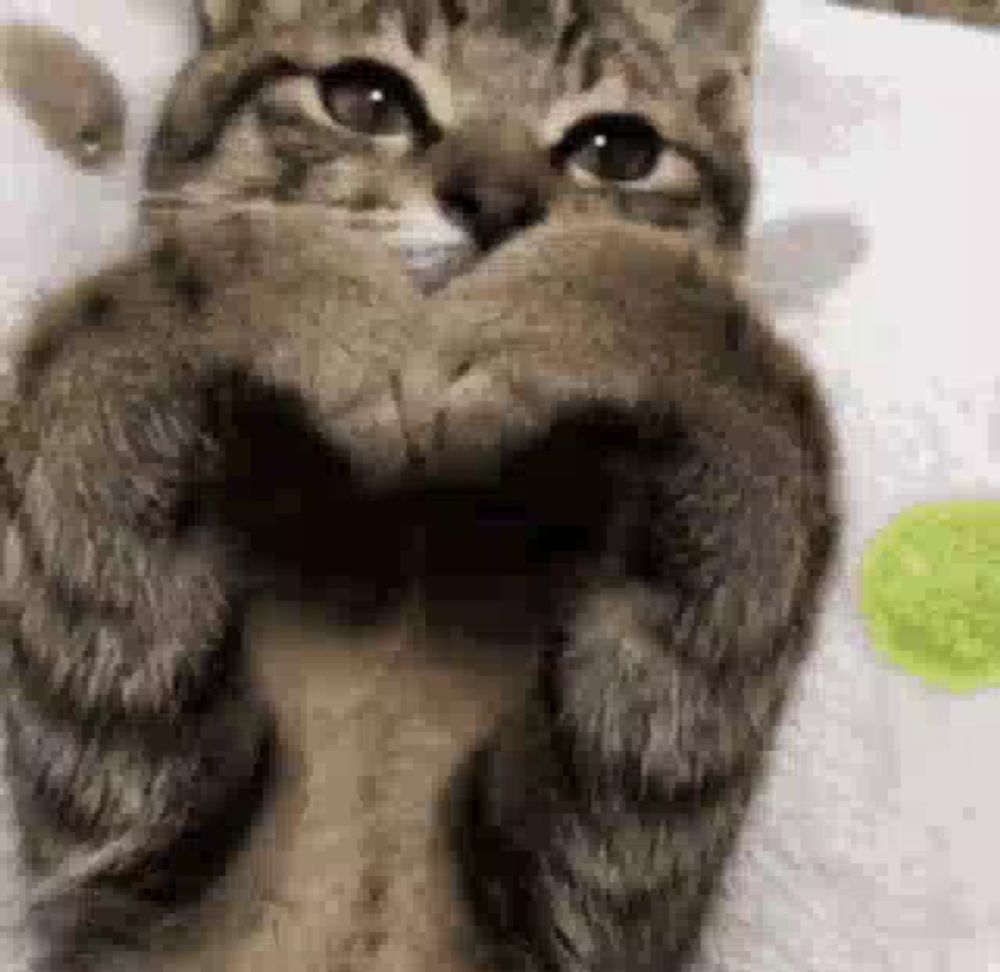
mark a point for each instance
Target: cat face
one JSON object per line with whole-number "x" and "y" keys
{"x": 446, "y": 128}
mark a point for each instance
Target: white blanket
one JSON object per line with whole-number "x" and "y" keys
{"x": 876, "y": 844}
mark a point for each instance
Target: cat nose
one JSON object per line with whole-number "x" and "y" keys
{"x": 492, "y": 180}
{"x": 489, "y": 212}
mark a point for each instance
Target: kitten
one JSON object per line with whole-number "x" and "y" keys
{"x": 437, "y": 322}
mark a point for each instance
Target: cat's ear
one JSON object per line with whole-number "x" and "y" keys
{"x": 223, "y": 19}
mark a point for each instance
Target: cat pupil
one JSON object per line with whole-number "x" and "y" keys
{"x": 623, "y": 160}
{"x": 380, "y": 111}
{"x": 371, "y": 98}
{"x": 366, "y": 109}
{"x": 614, "y": 147}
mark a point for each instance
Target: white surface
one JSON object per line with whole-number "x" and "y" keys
{"x": 59, "y": 223}
{"x": 876, "y": 846}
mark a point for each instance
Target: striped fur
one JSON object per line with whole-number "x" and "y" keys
{"x": 554, "y": 424}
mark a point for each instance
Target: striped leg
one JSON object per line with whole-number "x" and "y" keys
{"x": 136, "y": 750}
{"x": 591, "y": 830}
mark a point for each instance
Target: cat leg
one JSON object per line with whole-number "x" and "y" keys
{"x": 135, "y": 747}
{"x": 592, "y": 828}
{"x": 594, "y": 825}
{"x": 173, "y": 415}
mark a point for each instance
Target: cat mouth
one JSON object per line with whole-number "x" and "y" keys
{"x": 434, "y": 249}
{"x": 431, "y": 268}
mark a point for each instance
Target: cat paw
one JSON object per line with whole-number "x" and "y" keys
{"x": 561, "y": 322}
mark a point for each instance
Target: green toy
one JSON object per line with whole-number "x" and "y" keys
{"x": 931, "y": 593}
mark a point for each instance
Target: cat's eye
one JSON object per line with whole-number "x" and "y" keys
{"x": 374, "y": 99}
{"x": 611, "y": 147}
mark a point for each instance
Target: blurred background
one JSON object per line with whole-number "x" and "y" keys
{"x": 976, "y": 12}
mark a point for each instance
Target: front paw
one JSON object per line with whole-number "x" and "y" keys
{"x": 562, "y": 322}
{"x": 316, "y": 313}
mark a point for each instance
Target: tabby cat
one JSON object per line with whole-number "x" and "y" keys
{"x": 408, "y": 552}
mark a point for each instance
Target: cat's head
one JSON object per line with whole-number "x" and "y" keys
{"x": 450, "y": 125}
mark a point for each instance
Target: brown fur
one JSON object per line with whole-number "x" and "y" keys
{"x": 565, "y": 507}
